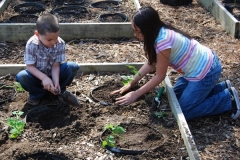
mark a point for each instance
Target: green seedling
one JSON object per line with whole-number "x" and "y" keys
{"x": 160, "y": 114}
{"x": 133, "y": 70}
{"x": 16, "y": 125}
{"x": 128, "y": 79}
{"x": 18, "y": 87}
{"x": 114, "y": 131}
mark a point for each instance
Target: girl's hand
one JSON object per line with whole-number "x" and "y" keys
{"x": 122, "y": 90}
{"x": 127, "y": 99}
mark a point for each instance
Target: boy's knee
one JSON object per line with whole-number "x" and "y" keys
{"x": 21, "y": 76}
{"x": 74, "y": 66}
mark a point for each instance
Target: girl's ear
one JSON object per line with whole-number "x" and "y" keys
{"x": 36, "y": 33}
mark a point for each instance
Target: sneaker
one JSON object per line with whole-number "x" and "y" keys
{"x": 228, "y": 84}
{"x": 33, "y": 102}
{"x": 235, "y": 103}
{"x": 70, "y": 98}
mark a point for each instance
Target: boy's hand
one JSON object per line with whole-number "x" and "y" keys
{"x": 56, "y": 90}
{"x": 47, "y": 84}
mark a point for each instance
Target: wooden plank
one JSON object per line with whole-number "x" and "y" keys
{"x": 182, "y": 124}
{"x": 137, "y": 4}
{"x": 227, "y": 20}
{"x": 68, "y": 31}
{"x": 3, "y": 5}
{"x": 84, "y": 67}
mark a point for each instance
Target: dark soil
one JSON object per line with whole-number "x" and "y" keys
{"x": 6, "y": 93}
{"x": 7, "y": 89}
{"x": 113, "y": 18}
{"x": 23, "y": 19}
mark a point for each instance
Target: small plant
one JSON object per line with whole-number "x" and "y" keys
{"x": 18, "y": 87}
{"x": 160, "y": 114}
{"x": 16, "y": 125}
{"x": 127, "y": 79}
{"x": 114, "y": 131}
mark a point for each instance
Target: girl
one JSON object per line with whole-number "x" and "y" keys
{"x": 200, "y": 68}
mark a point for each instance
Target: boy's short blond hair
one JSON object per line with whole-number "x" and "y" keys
{"x": 47, "y": 23}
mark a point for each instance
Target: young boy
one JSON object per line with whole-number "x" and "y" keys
{"x": 45, "y": 71}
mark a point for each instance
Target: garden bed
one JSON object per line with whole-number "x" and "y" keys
{"x": 85, "y": 12}
{"x": 56, "y": 129}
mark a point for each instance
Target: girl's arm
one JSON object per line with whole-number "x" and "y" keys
{"x": 146, "y": 68}
{"x": 161, "y": 70}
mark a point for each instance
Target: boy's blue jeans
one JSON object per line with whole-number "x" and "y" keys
{"x": 205, "y": 97}
{"x": 33, "y": 85}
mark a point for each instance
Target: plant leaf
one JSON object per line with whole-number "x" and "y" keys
{"x": 14, "y": 135}
{"x": 120, "y": 129}
{"x": 108, "y": 126}
{"x": 104, "y": 143}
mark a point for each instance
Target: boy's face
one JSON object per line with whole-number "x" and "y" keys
{"x": 49, "y": 39}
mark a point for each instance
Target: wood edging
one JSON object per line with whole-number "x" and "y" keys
{"x": 227, "y": 20}
{"x": 182, "y": 123}
{"x": 68, "y": 31}
{"x": 121, "y": 67}
{"x": 3, "y": 5}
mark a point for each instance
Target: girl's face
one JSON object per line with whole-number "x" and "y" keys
{"x": 137, "y": 32}
{"x": 49, "y": 39}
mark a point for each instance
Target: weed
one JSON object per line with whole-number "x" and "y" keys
{"x": 16, "y": 125}
{"x": 18, "y": 87}
{"x": 160, "y": 114}
{"x": 114, "y": 131}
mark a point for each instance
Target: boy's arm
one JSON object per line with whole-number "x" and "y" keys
{"x": 55, "y": 73}
{"x": 36, "y": 72}
{"x": 46, "y": 81}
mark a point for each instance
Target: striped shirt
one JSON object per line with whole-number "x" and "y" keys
{"x": 188, "y": 57}
{"x": 44, "y": 57}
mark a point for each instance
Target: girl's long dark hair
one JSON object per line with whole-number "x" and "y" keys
{"x": 148, "y": 21}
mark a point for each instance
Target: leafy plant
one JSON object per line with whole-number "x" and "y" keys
{"x": 18, "y": 87}
{"x": 160, "y": 114}
{"x": 114, "y": 131}
{"x": 128, "y": 79}
{"x": 16, "y": 125}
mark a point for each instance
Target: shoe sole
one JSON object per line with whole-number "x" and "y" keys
{"x": 32, "y": 103}
{"x": 235, "y": 94}
{"x": 228, "y": 83}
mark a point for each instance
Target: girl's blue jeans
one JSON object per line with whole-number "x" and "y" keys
{"x": 205, "y": 97}
{"x": 33, "y": 85}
